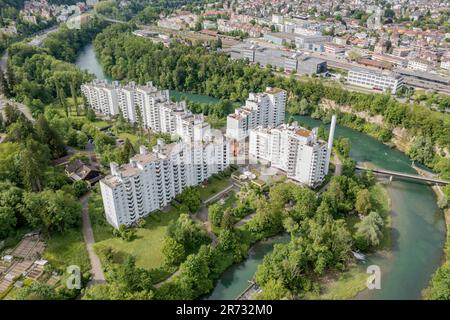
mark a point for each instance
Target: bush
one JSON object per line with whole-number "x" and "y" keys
{"x": 125, "y": 233}
{"x": 80, "y": 188}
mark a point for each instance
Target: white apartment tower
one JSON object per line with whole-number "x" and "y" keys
{"x": 265, "y": 109}
{"x": 152, "y": 179}
{"x": 154, "y": 107}
{"x": 293, "y": 149}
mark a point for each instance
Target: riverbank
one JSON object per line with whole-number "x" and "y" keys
{"x": 439, "y": 287}
{"x": 374, "y": 126}
{"x": 347, "y": 285}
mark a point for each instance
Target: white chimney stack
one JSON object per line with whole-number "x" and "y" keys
{"x": 330, "y": 142}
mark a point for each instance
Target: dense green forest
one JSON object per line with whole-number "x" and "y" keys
{"x": 34, "y": 193}
{"x": 38, "y": 76}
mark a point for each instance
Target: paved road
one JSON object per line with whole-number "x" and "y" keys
{"x": 202, "y": 218}
{"x": 3, "y": 61}
{"x": 35, "y": 41}
{"x": 97, "y": 275}
{"x": 22, "y": 108}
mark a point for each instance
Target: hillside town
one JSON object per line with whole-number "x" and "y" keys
{"x": 391, "y": 42}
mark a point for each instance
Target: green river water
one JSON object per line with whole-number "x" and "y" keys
{"x": 418, "y": 228}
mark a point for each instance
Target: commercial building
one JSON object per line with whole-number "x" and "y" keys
{"x": 290, "y": 61}
{"x": 152, "y": 179}
{"x": 310, "y": 65}
{"x": 333, "y": 48}
{"x": 265, "y": 109}
{"x": 418, "y": 64}
{"x": 314, "y": 43}
{"x": 280, "y": 38}
{"x": 372, "y": 79}
{"x": 445, "y": 64}
{"x": 293, "y": 149}
{"x": 401, "y": 52}
{"x": 397, "y": 61}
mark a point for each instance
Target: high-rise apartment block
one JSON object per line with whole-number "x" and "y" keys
{"x": 293, "y": 149}
{"x": 152, "y": 179}
{"x": 265, "y": 109}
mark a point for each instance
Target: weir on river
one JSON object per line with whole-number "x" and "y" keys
{"x": 418, "y": 228}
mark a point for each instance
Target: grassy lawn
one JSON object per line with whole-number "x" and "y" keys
{"x": 67, "y": 249}
{"x": 100, "y": 124}
{"x": 132, "y": 137}
{"x": 100, "y": 227}
{"x": 214, "y": 187}
{"x": 345, "y": 286}
{"x": 146, "y": 247}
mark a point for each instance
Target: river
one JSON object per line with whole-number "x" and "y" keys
{"x": 418, "y": 228}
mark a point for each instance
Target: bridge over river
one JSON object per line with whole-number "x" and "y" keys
{"x": 406, "y": 176}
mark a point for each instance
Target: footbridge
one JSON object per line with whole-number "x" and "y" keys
{"x": 406, "y": 176}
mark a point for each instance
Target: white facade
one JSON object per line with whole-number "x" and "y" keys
{"x": 152, "y": 179}
{"x": 293, "y": 149}
{"x": 158, "y": 113}
{"x": 418, "y": 65}
{"x": 445, "y": 64}
{"x": 374, "y": 80}
{"x": 265, "y": 109}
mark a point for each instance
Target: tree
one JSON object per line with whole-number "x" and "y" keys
{"x": 228, "y": 240}
{"x": 51, "y": 211}
{"x": 12, "y": 114}
{"x": 173, "y": 252}
{"x": 440, "y": 284}
{"x": 363, "y": 203}
{"x": 227, "y": 220}
{"x": 188, "y": 233}
{"x": 343, "y": 146}
{"x": 102, "y": 140}
{"x": 194, "y": 272}
{"x": 4, "y": 88}
{"x": 11, "y": 81}
{"x": 353, "y": 55}
{"x": 73, "y": 91}
{"x": 190, "y": 197}
{"x": 369, "y": 231}
{"x": 62, "y": 97}
{"x": 37, "y": 291}
{"x": 90, "y": 115}
{"x": 215, "y": 214}
{"x": 2, "y": 123}
{"x": 273, "y": 290}
{"x": 20, "y": 130}
{"x": 422, "y": 150}
{"x": 125, "y": 282}
{"x": 33, "y": 158}
{"x": 8, "y": 221}
{"x": 80, "y": 188}
{"x": 126, "y": 152}
{"x": 125, "y": 233}
{"x": 305, "y": 204}
{"x": 368, "y": 178}
{"x": 47, "y": 136}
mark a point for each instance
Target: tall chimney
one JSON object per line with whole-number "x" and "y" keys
{"x": 330, "y": 142}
